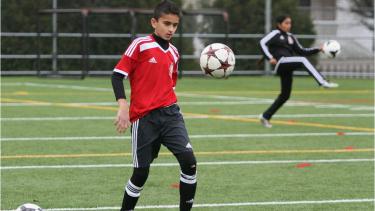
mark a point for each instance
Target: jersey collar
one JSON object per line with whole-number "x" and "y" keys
{"x": 164, "y": 44}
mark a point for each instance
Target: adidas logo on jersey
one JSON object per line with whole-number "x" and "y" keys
{"x": 153, "y": 60}
{"x": 189, "y": 146}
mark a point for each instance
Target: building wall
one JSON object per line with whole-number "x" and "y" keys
{"x": 333, "y": 18}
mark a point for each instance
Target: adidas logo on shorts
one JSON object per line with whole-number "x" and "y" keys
{"x": 189, "y": 146}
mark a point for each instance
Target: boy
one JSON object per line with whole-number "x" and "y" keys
{"x": 151, "y": 65}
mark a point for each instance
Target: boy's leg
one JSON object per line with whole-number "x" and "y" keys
{"x": 188, "y": 179}
{"x": 145, "y": 147}
{"x": 175, "y": 138}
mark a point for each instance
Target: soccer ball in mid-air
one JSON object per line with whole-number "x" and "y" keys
{"x": 331, "y": 48}
{"x": 29, "y": 207}
{"x": 217, "y": 60}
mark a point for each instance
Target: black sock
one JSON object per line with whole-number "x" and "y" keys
{"x": 131, "y": 196}
{"x": 133, "y": 188}
{"x": 188, "y": 186}
{"x": 128, "y": 203}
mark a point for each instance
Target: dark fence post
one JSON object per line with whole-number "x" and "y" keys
{"x": 133, "y": 29}
{"x": 180, "y": 48}
{"x": 38, "y": 45}
{"x": 226, "y": 20}
{"x": 84, "y": 43}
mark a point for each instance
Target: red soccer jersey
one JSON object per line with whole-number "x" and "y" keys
{"x": 152, "y": 72}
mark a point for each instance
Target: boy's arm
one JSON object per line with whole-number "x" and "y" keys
{"x": 122, "y": 121}
{"x": 123, "y": 69}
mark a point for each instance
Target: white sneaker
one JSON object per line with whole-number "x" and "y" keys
{"x": 265, "y": 122}
{"x": 327, "y": 84}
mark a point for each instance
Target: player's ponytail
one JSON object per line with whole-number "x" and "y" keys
{"x": 260, "y": 61}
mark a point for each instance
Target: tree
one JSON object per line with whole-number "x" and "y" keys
{"x": 25, "y": 20}
{"x": 365, "y": 9}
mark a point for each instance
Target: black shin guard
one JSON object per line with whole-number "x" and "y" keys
{"x": 188, "y": 182}
{"x": 133, "y": 188}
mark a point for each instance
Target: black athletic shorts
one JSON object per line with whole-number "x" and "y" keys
{"x": 161, "y": 126}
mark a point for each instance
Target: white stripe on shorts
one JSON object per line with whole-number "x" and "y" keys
{"x": 134, "y": 143}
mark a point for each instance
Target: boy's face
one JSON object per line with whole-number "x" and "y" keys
{"x": 165, "y": 26}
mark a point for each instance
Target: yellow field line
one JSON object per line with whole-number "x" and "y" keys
{"x": 280, "y": 122}
{"x": 226, "y": 152}
{"x": 78, "y": 92}
{"x": 319, "y": 91}
{"x": 210, "y": 116}
{"x": 108, "y": 108}
{"x": 11, "y": 100}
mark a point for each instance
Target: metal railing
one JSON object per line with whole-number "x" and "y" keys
{"x": 85, "y": 35}
{"x": 129, "y": 35}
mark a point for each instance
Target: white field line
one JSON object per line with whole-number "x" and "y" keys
{"x": 217, "y": 103}
{"x": 239, "y": 204}
{"x": 199, "y": 163}
{"x": 58, "y": 118}
{"x": 219, "y": 97}
{"x": 58, "y": 86}
{"x": 293, "y": 116}
{"x": 370, "y": 115}
{"x": 194, "y": 103}
{"x": 208, "y": 136}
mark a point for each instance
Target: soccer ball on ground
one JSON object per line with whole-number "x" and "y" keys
{"x": 331, "y": 48}
{"x": 217, "y": 60}
{"x": 29, "y": 207}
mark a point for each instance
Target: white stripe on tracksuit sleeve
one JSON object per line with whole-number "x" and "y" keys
{"x": 265, "y": 40}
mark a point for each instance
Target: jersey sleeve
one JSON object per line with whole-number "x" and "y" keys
{"x": 266, "y": 41}
{"x": 128, "y": 60}
{"x": 175, "y": 75}
{"x": 176, "y": 57}
{"x": 301, "y": 50}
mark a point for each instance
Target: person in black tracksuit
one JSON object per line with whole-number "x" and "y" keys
{"x": 280, "y": 47}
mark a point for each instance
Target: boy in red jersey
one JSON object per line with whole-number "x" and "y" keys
{"x": 151, "y": 64}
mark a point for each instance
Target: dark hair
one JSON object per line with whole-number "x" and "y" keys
{"x": 281, "y": 18}
{"x": 166, "y": 7}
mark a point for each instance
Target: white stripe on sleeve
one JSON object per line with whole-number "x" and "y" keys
{"x": 264, "y": 40}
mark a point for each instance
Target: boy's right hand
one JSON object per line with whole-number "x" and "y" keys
{"x": 122, "y": 121}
